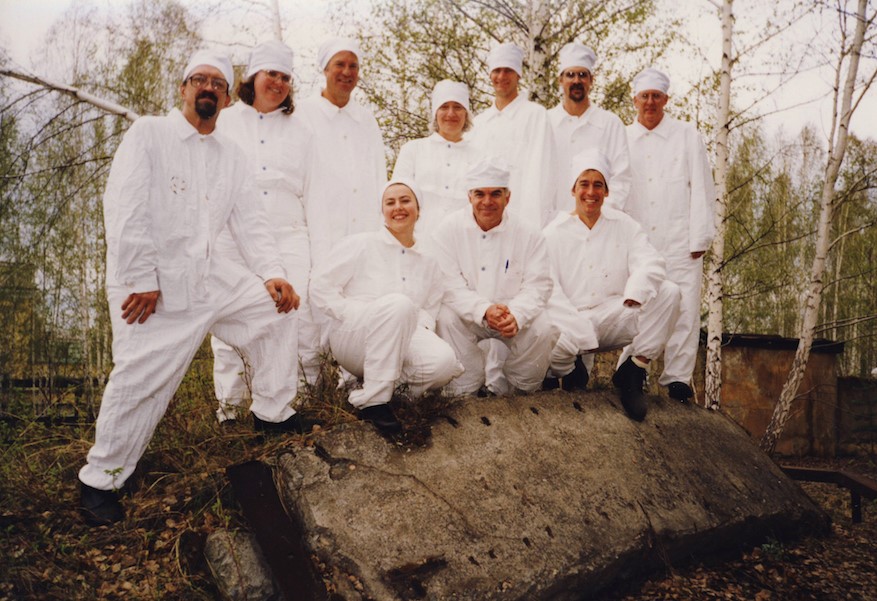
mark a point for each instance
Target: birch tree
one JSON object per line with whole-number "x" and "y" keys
{"x": 849, "y": 89}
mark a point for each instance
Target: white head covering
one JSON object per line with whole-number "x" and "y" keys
{"x": 405, "y": 182}
{"x": 212, "y": 58}
{"x": 446, "y": 91}
{"x": 506, "y": 55}
{"x": 577, "y": 55}
{"x": 590, "y": 158}
{"x": 333, "y": 46}
{"x": 651, "y": 79}
{"x": 272, "y": 55}
{"x": 488, "y": 173}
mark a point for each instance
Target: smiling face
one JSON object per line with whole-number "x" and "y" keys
{"x": 342, "y": 75}
{"x": 505, "y": 82}
{"x": 451, "y": 119}
{"x": 400, "y": 209}
{"x": 488, "y": 205}
{"x": 650, "y": 107}
{"x": 590, "y": 190}
{"x": 270, "y": 90}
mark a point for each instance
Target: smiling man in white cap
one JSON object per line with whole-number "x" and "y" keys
{"x": 498, "y": 285}
{"x": 517, "y": 131}
{"x": 578, "y": 124}
{"x": 672, "y": 197}
{"x": 173, "y": 186}
{"x": 439, "y": 162}
{"x": 609, "y": 287}
{"x": 348, "y": 152}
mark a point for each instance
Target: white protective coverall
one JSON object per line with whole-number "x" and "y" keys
{"x": 277, "y": 146}
{"x": 382, "y": 300}
{"x": 595, "y": 271}
{"x": 349, "y": 170}
{"x": 438, "y": 167}
{"x": 520, "y": 135}
{"x": 596, "y": 128}
{"x": 506, "y": 265}
{"x": 672, "y": 197}
{"x": 170, "y": 193}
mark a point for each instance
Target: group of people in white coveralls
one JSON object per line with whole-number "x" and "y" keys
{"x": 504, "y": 250}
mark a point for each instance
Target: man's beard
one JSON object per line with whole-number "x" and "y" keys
{"x": 206, "y": 110}
{"x": 577, "y": 92}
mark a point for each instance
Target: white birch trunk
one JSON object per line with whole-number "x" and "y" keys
{"x": 715, "y": 283}
{"x": 539, "y": 81}
{"x": 106, "y": 105}
{"x": 837, "y": 144}
{"x": 278, "y": 24}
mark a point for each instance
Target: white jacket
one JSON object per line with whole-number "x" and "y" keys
{"x": 673, "y": 191}
{"x": 170, "y": 192}
{"x": 521, "y": 135}
{"x": 367, "y": 266}
{"x": 596, "y": 128}
{"x": 349, "y": 170}
{"x": 438, "y": 167}
{"x": 507, "y": 264}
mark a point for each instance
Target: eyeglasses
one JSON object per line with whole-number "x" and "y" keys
{"x": 278, "y": 76}
{"x": 216, "y": 84}
{"x": 577, "y": 75}
{"x": 653, "y": 96}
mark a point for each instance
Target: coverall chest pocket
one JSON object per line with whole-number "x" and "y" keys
{"x": 176, "y": 207}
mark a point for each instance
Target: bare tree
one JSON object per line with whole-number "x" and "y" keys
{"x": 846, "y": 97}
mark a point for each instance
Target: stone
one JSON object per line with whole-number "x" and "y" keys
{"x": 238, "y": 567}
{"x": 546, "y": 496}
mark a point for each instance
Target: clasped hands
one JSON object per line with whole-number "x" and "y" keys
{"x": 499, "y": 318}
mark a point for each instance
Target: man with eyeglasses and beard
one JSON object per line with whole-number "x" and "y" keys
{"x": 578, "y": 125}
{"x": 174, "y": 185}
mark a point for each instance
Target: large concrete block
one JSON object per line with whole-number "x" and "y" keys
{"x": 549, "y": 496}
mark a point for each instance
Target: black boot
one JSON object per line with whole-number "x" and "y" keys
{"x": 680, "y": 391}
{"x": 99, "y": 507}
{"x": 629, "y": 378}
{"x": 382, "y": 418}
{"x": 292, "y": 425}
{"x": 577, "y": 379}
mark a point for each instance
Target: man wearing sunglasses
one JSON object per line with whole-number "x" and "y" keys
{"x": 172, "y": 188}
{"x": 578, "y": 125}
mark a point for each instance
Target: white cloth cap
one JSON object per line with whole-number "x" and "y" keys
{"x": 272, "y": 55}
{"x": 590, "y": 158}
{"x": 577, "y": 55}
{"x": 651, "y": 79}
{"x": 212, "y": 58}
{"x": 506, "y": 55}
{"x": 331, "y": 47}
{"x": 405, "y": 182}
{"x": 488, "y": 173}
{"x": 446, "y": 91}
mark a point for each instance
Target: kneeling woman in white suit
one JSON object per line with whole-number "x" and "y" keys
{"x": 382, "y": 294}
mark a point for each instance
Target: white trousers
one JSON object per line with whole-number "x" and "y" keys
{"x": 151, "y": 359}
{"x": 644, "y": 329}
{"x": 231, "y": 378}
{"x": 528, "y": 352}
{"x": 680, "y": 355}
{"x": 383, "y": 345}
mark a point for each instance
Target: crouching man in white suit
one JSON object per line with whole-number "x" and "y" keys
{"x": 609, "y": 287}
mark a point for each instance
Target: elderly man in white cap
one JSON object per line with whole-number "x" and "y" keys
{"x": 278, "y": 145}
{"x": 517, "y": 131}
{"x": 609, "y": 287}
{"x": 348, "y": 152}
{"x": 672, "y": 197}
{"x": 578, "y": 124}
{"x": 439, "y": 162}
{"x": 498, "y": 285}
{"x": 173, "y": 186}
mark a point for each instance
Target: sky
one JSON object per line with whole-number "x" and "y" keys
{"x": 24, "y": 23}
